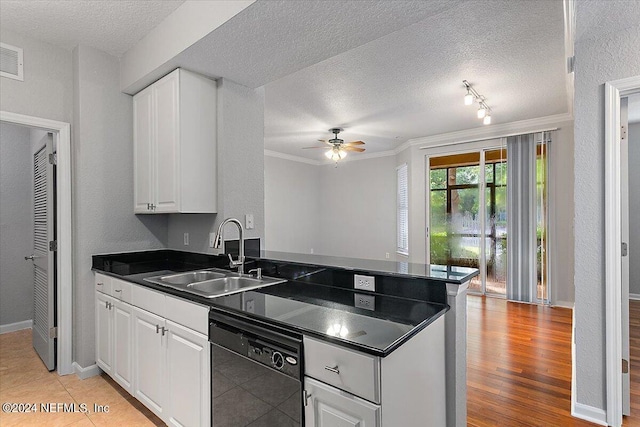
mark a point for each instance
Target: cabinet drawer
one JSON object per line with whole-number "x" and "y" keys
{"x": 121, "y": 290}
{"x": 103, "y": 283}
{"x": 348, "y": 370}
{"x": 190, "y": 314}
{"x": 149, "y": 300}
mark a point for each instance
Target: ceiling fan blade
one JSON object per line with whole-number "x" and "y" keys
{"x": 357, "y": 149}
{"x": 306, "y": 148}
{"x": 354, "y": 143}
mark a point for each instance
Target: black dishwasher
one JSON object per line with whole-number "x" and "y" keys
{"x": 256, "y": 374}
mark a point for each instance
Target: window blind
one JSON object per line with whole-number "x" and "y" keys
{"x": 402, "y": 210}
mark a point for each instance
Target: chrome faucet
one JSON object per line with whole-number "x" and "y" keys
{"x": 218, "y": 241}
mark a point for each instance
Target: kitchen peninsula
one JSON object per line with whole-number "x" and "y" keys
{"x": 406, "y": 300}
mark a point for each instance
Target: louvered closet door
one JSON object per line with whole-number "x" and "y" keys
{"x": 43, "y": 259}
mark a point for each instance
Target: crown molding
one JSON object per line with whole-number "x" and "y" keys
{"x": 489, "y": 132}
{"x": 299, "y": 159}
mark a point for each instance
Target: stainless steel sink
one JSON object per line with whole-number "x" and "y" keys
{"x": 212, "y": 283}
{"x": 191, "y": 277}
{"x": 230, "y": 285}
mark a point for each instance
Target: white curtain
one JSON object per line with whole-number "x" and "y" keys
{"x": 521, "y": 218}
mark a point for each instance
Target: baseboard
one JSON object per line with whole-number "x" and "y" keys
{"x": 634, "y": 296}
{"x": 18, "y": 326}
{"x": 565, "y": 304}
{"x": 588, "y": 413}
{"x": 88, "y": 372}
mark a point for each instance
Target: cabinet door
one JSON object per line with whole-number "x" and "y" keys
{"x": 149, "y": 360}
{"x": 142, "y": 151}
{"x": 327, "y": 406}
{"x": 122, "y": 345}
{"x": 189, "y": 379}
{"x": 167, "y": 147}
{"x": 104, "y": 332}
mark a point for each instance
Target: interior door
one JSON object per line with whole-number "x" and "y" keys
{"x": 624, "y": 221}
{"x": 43, "y": 256}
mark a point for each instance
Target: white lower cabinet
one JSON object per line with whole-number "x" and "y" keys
{"x": 327, "y": 406}
{"x": 114, "y": 339}
{"x": 149, "y": 361}
{"x": 188, "y": 378}
{"x": 345, "y": 388}
{"x": 148, "y": 346}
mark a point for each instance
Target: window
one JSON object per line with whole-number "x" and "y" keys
{"x": 403, "y": 210}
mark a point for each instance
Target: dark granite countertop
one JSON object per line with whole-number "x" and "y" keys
{"x": 316, "y": 300}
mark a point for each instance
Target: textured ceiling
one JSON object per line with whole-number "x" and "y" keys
{"x": 272, "y": 39}
{"x": 112, "y": 26}
{"x": 408, "y": 84}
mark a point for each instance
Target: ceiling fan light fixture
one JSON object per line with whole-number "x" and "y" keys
{"x": 336, "y": 154}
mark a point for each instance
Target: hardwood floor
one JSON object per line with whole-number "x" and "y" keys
{"x": 518, "y": 364}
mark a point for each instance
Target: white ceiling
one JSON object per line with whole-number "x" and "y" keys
{"x": 111, "y": 26}
{"x": 408, "y": 84}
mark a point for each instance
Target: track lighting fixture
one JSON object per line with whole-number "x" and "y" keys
{"x": 484, "y": 111}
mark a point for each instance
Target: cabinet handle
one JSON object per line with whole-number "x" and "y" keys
{"x": 307, "y": 396}
{"x": 158, "y": 328}
{"x": 164, "y": 330}
{"x": 106, "y": 305}
{"x": 99, "y": 284}
{"x": 117, "y": 290}
{"x": 335, "y": 369}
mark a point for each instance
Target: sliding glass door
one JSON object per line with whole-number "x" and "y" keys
{"x": 462, "y": 233}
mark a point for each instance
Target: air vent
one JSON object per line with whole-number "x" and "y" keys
{"x": 11, "y": 62}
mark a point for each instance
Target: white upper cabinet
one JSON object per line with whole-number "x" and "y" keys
{"x": 174, "y": 142}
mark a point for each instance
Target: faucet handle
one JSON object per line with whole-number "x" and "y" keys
{"x": 258, "y": 272}
{"x": 232, "y": 263}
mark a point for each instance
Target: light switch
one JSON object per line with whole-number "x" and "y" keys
{"x": 248, "y": 221}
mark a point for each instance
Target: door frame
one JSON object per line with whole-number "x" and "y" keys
{"x": 63, "y": 223}
{"x": 614, "y": 91}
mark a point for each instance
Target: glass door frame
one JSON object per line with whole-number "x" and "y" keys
{"x": 480, "y": 147}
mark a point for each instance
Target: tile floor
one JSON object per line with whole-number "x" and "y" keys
{"x": 24, "y": 379}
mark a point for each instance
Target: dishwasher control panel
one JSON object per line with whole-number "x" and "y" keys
{"x": 275, "y": 357}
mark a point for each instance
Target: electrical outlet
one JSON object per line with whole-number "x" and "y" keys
{"x": 386, "y": 255}
{"x": 212, "y": 239}
{"x": 250, "y": 306}
{"x": 365, "y": 301}
{"x": 248, "y": 221}
{"x": 366, "y": 283}
{"x": 186, "y": 239}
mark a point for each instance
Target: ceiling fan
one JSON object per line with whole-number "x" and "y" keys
{"x": 339, "y": 148}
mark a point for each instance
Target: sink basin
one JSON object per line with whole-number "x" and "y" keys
{"x": 230, "y": 285}
{"x": 191, "y": 277}
{"x": 212, "y": 283}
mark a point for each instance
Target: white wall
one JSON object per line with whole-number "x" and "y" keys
{"x": 358, "y": 209}
{"x": 291, "y": 205}
{"x": 348, "y": 211}
{"x": 634, "y": 208}
{"x": 600, "y": 57}
{"x": 240, "y": 170}
{"x": 102, "y": 152}
{"x": 16, "y": 224}
{"x": 47, "y": 89}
